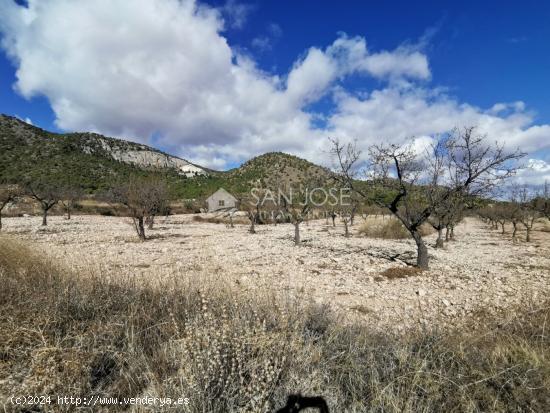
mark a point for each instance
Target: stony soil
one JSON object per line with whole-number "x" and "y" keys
{"x": 481, "y": 268}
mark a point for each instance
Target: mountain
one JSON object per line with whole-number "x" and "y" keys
{"x": 277, "y": 169}
{"x": 34, "y": 143}
{"x": 96, "y": 162}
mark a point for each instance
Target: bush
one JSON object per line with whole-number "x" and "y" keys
{"x": 230, "y": 352}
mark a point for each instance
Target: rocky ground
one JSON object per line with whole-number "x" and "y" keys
{"x": 482, "y": 268}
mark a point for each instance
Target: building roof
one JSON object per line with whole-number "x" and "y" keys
{"x": 221, "y": 191}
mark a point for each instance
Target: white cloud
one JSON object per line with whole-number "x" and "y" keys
{"x": 536, "y": 173}
{"x": 162, "y": 67}
{"x": 237, "y": 13}
{"x": 264, "y": 43}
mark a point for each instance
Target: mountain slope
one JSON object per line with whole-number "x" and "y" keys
{"x": 277, "y": 169}
{"x": 87, "y": 159}
{"x": 95, "y": 162}
{"x": 14, "y": 132}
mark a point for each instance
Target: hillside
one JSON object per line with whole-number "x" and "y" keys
{"x": 96, "y": 162}
{"x": 275, "y": 169}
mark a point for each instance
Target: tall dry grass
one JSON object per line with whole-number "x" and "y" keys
{"x": 388, "y": 228}
{"x": 77, "y": 334}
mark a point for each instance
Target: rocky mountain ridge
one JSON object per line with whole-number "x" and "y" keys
{"x": 119, "y": 150}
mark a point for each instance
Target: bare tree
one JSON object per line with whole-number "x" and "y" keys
{"x": 488, "y": 214}
{"x": 529, "y": 213}
{"x": 445, "y": 216}
{"x": 70, "y": 195}
{"x": 46, "y": 194}
{"x": 542, "y": 201}
{"x": 514, "y": 213}
{"x": 142, "y": 198}
{"x": 252, "y": 205}
{"x": 454, "y": 216}
{"x": 346, "y": 218}
{"x": 295, "y": 204}
{"x": 413, "y": 185}
{"x": 347, "y": 208}
{"x": 8, "y": 195}
{"x": 501, "y": 215}
{"x": 160, "y": 205}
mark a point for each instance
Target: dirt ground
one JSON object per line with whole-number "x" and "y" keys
{"x": 481, "y": 268}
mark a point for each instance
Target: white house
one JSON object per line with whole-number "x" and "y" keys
{"x": 220, "y": 200}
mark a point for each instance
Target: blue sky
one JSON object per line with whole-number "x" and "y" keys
{"x": 219, "y": 82}
{"x": 484, "y": 52}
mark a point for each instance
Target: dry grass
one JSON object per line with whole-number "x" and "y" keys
{"x": 388, "y": 228}
{"x": 76, "y": 334}
{"x": 211, "y": 220}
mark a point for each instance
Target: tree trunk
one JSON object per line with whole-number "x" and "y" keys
{"x": 68, "y": 213}
{"x": 231, "y": 221}
{"x": 150, "y": 222}
{"x": 422, "y": 259}
{"x": 346, "y": 234}
{"x": 0, "y": 220}
{"x": 452, "y": 232}
{"x": 140, "y": 229}
{"x": 502, "y": 228}
{"x": 514, "y": 239}
{"x": 44, "y": 217}
{"x": 447, "y": 233}
{"x": 252, "y": 229}
{"x": 439, "y": 242}
{"x": 333, "y": 220}
{"x": 527, "y": 235}
{"x": 296, "y": 233}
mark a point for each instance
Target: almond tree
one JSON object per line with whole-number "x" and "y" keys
{"x": 253, "y": 205}
{"x": 160, "y": 205}
{"x": 8, "y": 194}
{"x": 46, "y": 194}
{"x": 542, "y": 201}
{"x": 455, "y": 215}
{"x": 412, "y": 185}
{"x": 445, "y": 216}
{"x": 488, "y": 215}
{"x": 141, "y": 197}
{"x": 295, "y": 205}
{"x": 529, "y": 212}
{"x": 502, "y": 215}
{"x": 514, "y": 212}
{"x": 70, "y": 196}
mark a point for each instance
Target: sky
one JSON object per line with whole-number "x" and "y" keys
{"x": 218, "y": 82}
